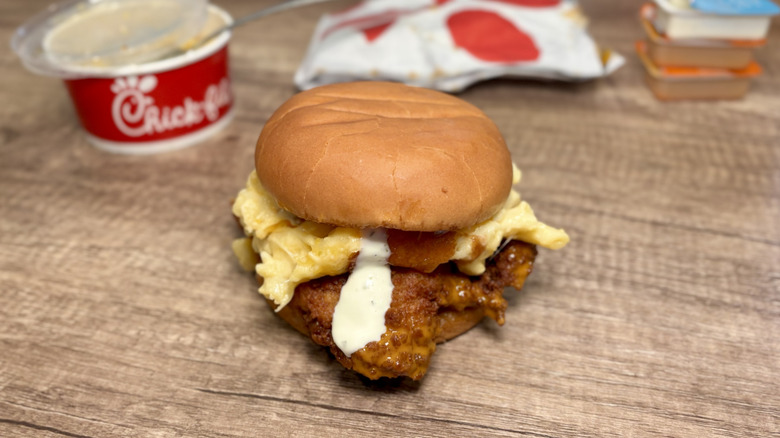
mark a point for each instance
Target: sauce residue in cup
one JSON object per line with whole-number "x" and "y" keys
{"x": 122, "y": 32}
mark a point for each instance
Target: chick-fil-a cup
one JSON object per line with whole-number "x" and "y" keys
{"x": 136, "y": 84}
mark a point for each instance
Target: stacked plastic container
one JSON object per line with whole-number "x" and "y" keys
{"x": 703, "y": 49}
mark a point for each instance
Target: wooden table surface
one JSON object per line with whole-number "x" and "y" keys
{"x": 124, "y": 313}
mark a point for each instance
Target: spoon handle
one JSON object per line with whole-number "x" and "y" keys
{"x": 262, "y": 13}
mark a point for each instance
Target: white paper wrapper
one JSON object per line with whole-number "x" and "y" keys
{"x": 449, "y": 45}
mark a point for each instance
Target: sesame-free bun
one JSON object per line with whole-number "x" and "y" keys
{"x": 381, "y": 154}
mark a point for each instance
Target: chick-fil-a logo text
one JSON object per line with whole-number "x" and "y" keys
{"x": 135, "y": 113}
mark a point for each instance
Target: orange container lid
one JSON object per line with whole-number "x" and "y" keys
{"x": 647, "y": 14}
{"x": 693, "y": 73}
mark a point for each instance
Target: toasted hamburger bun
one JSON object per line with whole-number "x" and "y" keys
{"x": 380, "y": 154}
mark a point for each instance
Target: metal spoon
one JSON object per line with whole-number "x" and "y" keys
{"x": 290, "y": 4}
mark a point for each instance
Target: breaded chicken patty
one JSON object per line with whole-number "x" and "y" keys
{"x": 426, "y": 309}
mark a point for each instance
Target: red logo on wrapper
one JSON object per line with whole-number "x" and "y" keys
{"x": 155, "y": 106}
{"x": 491, "y": 37}
{"x": 532, "y": 3}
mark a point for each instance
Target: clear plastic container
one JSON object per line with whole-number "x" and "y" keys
{"x": 157, "y": 92}
{"x": 76, "y": 34}
{"x": 677, "y": 21}
{"x": 714, "y": 53}
{"x": 683, "y": 83}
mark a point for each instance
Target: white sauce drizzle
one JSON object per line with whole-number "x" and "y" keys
{"x": 359, "y": 317}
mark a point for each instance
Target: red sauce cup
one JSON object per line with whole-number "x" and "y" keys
{"x": 155, "y": 106}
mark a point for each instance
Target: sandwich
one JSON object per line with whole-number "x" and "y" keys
{"x": 381, "y": 220}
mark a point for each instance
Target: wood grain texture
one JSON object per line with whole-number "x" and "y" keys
{"x": 124, "y": 313}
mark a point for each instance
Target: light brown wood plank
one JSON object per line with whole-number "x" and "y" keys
{"x": 124, "y": 313}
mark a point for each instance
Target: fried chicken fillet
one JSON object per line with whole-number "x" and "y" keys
{"x": 426, "y": 309}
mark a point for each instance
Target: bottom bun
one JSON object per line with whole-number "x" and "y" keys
{"x": 454, "y": 323}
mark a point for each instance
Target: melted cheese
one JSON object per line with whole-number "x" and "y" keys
{"x": 293, "y": 251}
{"x": 515, "y": 220}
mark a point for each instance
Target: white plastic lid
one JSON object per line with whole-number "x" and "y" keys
{"x": 79, "y": 33}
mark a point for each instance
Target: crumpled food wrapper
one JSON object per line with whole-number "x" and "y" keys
{"x": 451, "y": 44}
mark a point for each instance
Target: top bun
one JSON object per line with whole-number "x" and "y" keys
{"x": 381, "y": 154}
